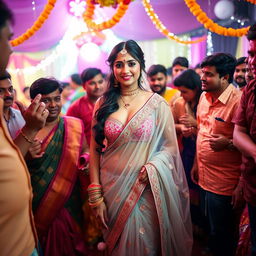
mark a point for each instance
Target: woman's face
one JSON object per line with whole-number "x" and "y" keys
{"x": 126, "y": 70}
{"x": 188, "y": 95}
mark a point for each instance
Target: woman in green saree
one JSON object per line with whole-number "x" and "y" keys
{"x": 138, "y": 188}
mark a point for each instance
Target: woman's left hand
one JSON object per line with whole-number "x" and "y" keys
{"x": 187, "y": 132}
{"x": 100, "y": 212}
{"x": 143, "y": 175}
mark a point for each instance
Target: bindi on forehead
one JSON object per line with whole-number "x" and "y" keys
{"x": 127, "y": 60}
{"x": 124, "y": 60}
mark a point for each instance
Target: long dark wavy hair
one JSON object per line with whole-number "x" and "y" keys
{"x": 109, "y": 104}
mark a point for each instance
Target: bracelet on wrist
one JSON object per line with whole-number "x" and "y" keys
{"x": 97, "y": 203}
{"x": 95, "y": 194}
{"x": 93, "y": 185}
{"x": 26, "y": 137}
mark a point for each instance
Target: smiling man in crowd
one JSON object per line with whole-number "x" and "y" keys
{"x": 239, "y": 74}
{"x": 12, "y": 116}
{"x": 94, "y": 85}
{"x": 157, "y": 78}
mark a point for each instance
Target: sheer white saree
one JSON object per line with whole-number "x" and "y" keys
{"x": 152, "y": 218}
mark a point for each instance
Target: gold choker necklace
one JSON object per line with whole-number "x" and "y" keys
{"x": 127, "y": 105}
{"x": 130, "y": 93}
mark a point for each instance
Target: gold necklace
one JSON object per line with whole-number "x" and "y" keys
{"x": 6, "y": 117}
{"x": 127, "y": 105}
{"x": 130, "y": 93}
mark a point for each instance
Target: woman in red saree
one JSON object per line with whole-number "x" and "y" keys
{"x": 138, "y": 188}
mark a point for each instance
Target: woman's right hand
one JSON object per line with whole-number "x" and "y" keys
{"x": 100, "y": 212}
{"x": 143, "y": 175}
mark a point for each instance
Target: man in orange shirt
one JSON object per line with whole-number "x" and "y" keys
{"x": 17, "y": 229}
{"x": 218, "y": 169}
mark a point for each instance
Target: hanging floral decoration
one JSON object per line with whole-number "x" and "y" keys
{"x": 158, "y": 24}
{"x": 89, "y": 12}
{"x": 96, "y": 37}
{"x": 251, "y": 1}
{"x": 76, "y": 7}
{"x": 212, "y": 26}
{"x": 37, "y": 24}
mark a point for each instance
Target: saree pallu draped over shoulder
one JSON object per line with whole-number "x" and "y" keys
{"x": 152, "y": 218}
{"x": 65, "y": 175}
{"x": 54, "y": 179}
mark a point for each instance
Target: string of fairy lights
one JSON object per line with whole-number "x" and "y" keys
{"x": 84, "y": 10}
{"x": 75, "y": 29}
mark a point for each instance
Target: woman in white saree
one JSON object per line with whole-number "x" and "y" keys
{"x": 138, "y": 189}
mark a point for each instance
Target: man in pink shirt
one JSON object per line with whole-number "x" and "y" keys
{"x": 94, "y": 85}
{"x": 218, "y": 171}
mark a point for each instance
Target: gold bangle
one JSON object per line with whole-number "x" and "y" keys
{"x": 97, "y": 203}
{"x": 26, "y": 137}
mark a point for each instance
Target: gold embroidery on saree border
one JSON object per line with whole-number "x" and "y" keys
{"x": 154, "y": 183}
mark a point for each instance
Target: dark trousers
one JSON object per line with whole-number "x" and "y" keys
{"x": 224, "y": 223}
{"x": 252, "y": 217}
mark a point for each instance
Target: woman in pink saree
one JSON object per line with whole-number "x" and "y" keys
{"x": 138, "y": 188}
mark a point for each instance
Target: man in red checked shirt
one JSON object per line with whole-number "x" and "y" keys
{"x": 245, "y": 137}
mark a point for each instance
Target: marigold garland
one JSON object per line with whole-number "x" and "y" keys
{"x": 108, "y": 3}
{"x": 251, "y": 1}
{"x": 212, "y": 26}
{"x": 37, "y": 24}
{"x": 89, "y": 12}
{"x": 158, "y": 24}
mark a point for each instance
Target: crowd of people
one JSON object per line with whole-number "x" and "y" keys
{"x": 115, "y": 164}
